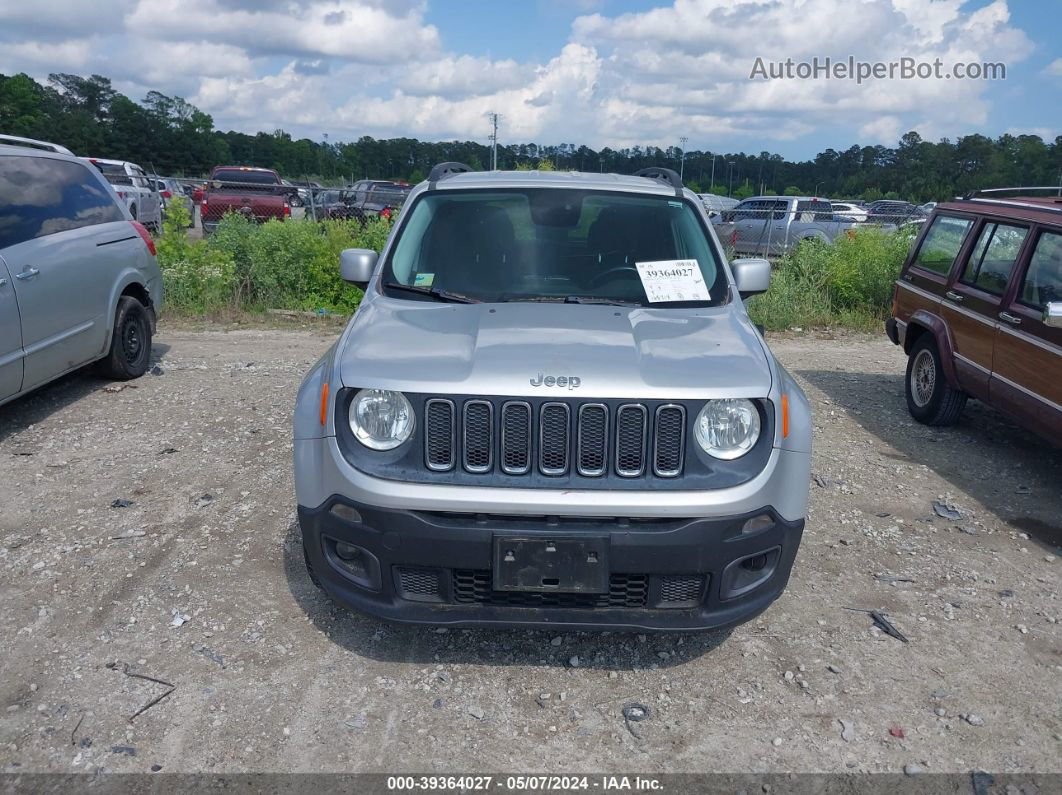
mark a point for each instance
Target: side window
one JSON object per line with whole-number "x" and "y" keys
{"x": 780, "y": 209}
{"x": 809, "y": 211}
{"x": 941, "y": 244}
{"x": 41, "y": 196}
{"x": 993, "y": 257}
{"x": 1043, "y": 280}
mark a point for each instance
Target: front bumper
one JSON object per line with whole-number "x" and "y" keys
{"x": 892, "y": 330}
{"x": 665, "y": 574}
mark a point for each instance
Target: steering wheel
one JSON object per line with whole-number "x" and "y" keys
{"x": 612, "y": 273}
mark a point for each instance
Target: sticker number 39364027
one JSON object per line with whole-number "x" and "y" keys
{"x": 672, "y": 280}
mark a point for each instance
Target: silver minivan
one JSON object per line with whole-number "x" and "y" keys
{"x": 79, "y": 282}
{"x": 551, "y": 409}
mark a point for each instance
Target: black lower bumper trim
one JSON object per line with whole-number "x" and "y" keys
{"x": 892, "y": 330}
{"x": 667, "y": 574}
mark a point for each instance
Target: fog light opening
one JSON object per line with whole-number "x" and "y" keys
{"x": 755, "y": 563}
{"x": 355, "y": 563}
{"x": 348, "y": 552}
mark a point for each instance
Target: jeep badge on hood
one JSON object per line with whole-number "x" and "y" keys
{"x": 570, "y": 381}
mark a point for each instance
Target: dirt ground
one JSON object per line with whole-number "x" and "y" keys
{"x": 199, "y": 583}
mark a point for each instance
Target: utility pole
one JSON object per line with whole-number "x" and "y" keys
{"x": 712, "y": 189}
{"x": 682, "y": 161}
{"x": 494, "y": 140}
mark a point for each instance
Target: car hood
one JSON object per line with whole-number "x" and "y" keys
{"x": 503, "y": 349}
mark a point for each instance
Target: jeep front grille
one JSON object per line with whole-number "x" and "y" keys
{"x": 516, "y": 438}
{"x": 592, "y": 440}
{"x": 631, "y": 430}
{"x": 439, "y": 435}
{"x": 669, "y": 441}
{"x": 555, "y": 438}
{"x": 478, "y": 435}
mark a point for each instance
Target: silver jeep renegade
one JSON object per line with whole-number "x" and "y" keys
{"x": 551, "y": 409}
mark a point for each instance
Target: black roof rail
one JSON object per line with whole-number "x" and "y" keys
{"x": 443, "y": 170}
{"x": 1057, "y": 189}
{"x": 663, "y": 175}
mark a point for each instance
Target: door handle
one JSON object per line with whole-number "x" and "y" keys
{"x": 951, "y": 295}
{"x": 3, "y": 282}
{"x": 29, "y": 273}
{"x": 1014, "y": 320}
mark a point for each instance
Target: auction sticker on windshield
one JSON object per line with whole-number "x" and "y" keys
{"x": 672, "y": 280}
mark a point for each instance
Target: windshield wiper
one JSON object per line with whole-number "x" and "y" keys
{"x": 589, "y": 299}
{"x": 434, "y": 292}
{"x": 570, "y": 299}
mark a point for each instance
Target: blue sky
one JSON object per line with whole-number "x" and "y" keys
{"x": 601, "y": 72}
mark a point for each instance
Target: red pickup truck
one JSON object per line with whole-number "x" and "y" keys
{"x": 256, "y": 193}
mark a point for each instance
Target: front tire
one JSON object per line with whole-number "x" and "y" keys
{"x": 130, "y": 352}
{"x": 930, "y": 399}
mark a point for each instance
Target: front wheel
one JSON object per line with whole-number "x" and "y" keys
{"x": 930, "y": 399}
{"x": 130, "y": 352}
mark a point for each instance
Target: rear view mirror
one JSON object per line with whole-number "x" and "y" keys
{"x": 752, "y": 276}
{"x": 1053, "y": 314}
{"x": 356, "y": 266}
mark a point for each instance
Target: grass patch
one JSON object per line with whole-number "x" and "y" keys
{"x": 248, "y": 268}
{"x": 844, "y": 283}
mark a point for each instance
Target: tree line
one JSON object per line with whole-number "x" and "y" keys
{"x": 172, "y": 137}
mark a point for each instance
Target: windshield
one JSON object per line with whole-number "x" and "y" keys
{"x": 548, "y": 244}
{"x": 114, "y": 173}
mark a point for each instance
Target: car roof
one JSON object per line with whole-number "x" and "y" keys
{"x": 33, "y": 143}
{"x": 246, "y": 168}
{"x": 29, "y": 151}
{"x": 111, "y": 162}
{"x": 574, "y": 180}
{"x": 1038, "y": 209}
{"x": 786, "y": 198}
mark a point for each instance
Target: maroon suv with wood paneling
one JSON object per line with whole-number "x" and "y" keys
{"x": 978, "y": 311}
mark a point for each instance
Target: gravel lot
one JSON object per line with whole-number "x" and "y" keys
{"x": 269, "y": 675}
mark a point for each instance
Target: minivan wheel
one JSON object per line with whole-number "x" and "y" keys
{"x": 930, "y": 399}
{"x": 130, "y": 352}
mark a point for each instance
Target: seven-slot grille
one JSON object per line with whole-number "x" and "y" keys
{"x": 556, "y": 439}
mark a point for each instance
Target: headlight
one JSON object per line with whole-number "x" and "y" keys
{"x": 381, "y": 419}
{"x": 727, "y": 428}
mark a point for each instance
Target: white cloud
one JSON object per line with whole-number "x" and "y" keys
{"x": 463, "y": 76}
{"x": 352, "y": 30}
{"x": 351, "y": 67}
{"x": 1054, "y": 68}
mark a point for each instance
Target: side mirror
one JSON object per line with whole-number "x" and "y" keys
{"x": 356, "y": 266}
{"x": 1053, "y": 314}
{"x": 752, "y": 276}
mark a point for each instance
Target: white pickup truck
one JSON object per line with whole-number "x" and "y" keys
{"x": 769, "y": 226}
{"x": 134, "y": 188}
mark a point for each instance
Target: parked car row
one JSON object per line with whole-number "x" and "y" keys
{"x": 772, "y": 225}
{"x": 364, "y": 199}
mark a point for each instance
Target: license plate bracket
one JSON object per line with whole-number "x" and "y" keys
{"x": 553, "y": 564}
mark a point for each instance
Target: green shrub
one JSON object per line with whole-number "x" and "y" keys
{"x": 844, "y": 283}
{"x": 197, "y": 279}
{"x": 246, "y": 266}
